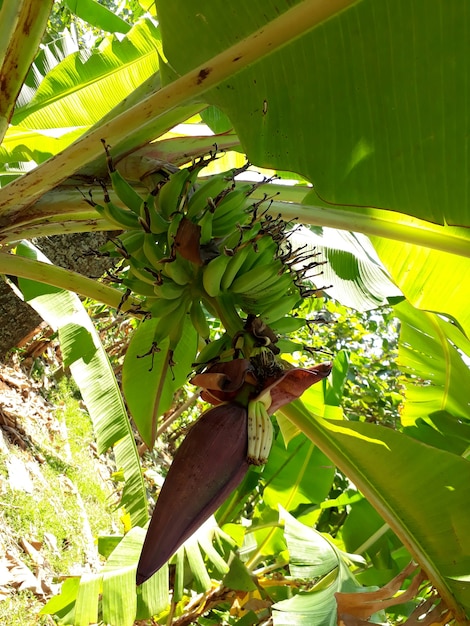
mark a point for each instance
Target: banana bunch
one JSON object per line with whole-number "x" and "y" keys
{"x": 201, "y": 250}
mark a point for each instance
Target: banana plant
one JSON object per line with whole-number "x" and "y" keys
{"x": 379, "y": 114}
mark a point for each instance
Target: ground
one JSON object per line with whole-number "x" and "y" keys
{"x": 55, "y": 492}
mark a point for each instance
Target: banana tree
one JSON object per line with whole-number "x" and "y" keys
{"x": 365, "y": 104}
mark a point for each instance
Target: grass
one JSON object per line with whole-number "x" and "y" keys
{"x": 69, "y": 500}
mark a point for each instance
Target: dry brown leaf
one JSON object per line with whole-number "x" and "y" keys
{"x": 32, "y": 551}
{"x": 362, "y": 605}
{"x": 20, "y": 576}
{"x": 51, "y": 542}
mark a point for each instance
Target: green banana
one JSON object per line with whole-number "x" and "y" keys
{"x": 286, "y": 325}
{"x": 261, "y": 252}
{"x": 125, "y": 245}
{"x": 276, "y": 312}
{"x": 270, "y": 293}
{"x": 199, "y": 320}
{"x": 168, "y": 290}
{"x": 141, "y": 272}
{"x": 256, "y": 277}
{"x": 124, "y": 191}
{"x": 214, "y": 349}
{"x": 212, "y": 275}
{"x": 179, "y": 270}
{"x": 153, "y": 218}
{"x": 131, "y": 241}
{"x": 163, "y": 308}
{"x": 173, "y": 194}
{"x": 209, "y": 188}
{"x": 269, "y": 284}
{"x": 260, "y": 433}
{"x": 153, "y": 251}
{"x": 206, "y": 227}
{"x": 231, "y": 212}
{"x": 177, "y": 320}
{"x": 173, "y": 228}
{"x": 119, "y": 218}
{"x": 138, "y": 286}
{"x": 233, "y": 267}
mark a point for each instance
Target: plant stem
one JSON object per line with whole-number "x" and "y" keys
{"x": 49, "y": 274}
{"x": 161, "y": 109}
{"x": 379, "y": 222}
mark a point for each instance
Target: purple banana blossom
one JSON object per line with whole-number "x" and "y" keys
{"x": 212, "y": 460}
{"x": 209, "y": 464}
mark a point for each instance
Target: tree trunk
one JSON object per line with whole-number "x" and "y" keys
{"x": 78, "y": 252}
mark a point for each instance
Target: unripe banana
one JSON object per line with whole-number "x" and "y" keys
{"x": 214, "y": 349}
{"x": 154, "y": 219}
{"x": 255, "y": 277}
{"x": 173, "y": 194}
{"x": 141, "y": 272}
{"x": 173, "y": 228}
{"x": 212, "y": 275}
{"x": 233, "y": 267}
{"x": 125, "y": 245}
{"x": 261, "y": 252}
{"x": 169, "y": 290}
{"x": 179, "y": 270}
{"x": 286, "y": 325}
{"x": 210, "y": 188}
{"x": 124, "y": 191}
{"x": 206, "y": 227}
{"x": 267, "y": 282}
{"x": 163, "y": 308}
{"x": 142, "y": 288}
{"x": 260, "y": 433}
{"x": 178, "y": 319}
{"x": 231, "y": 212}
{"x": 282, "y": 308}
{"x": 266, "y": 436}
{"x": 153, "y": 251}
{"x": 270, "y": 293}
{"x": 132, "y": 241}
{"x": 199, "y": 320}
{"x": 121, "y": 219}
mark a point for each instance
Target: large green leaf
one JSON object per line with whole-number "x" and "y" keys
{"x": 111, "y": 593}
{"x": 430, "y": 279}
{"x": 423, "y": 493}
{"x": 149, "y": 379}
{"x": 84, "y": 354}
{"x": 79, "y": 91}
{"x": 24, "y": 144}
{"x": 313, "y": 557}
{"x": 351, "y": 271}
{"x": 297, "y": 474}
{"x": 359, "y": 90}
{"x": 98, "y": 15}
{"x": 432, "y": 351}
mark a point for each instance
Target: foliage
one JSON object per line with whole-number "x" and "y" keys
{"x": 357, "y": 82}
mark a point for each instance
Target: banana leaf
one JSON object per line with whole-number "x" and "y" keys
{"x": 422, "y": 492}
{"x": 84, "y": 354}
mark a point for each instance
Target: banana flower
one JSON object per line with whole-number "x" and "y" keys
{"x": 218, "y": 450}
